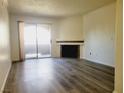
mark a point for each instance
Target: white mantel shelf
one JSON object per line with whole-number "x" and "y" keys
{"x": 70, "y": 42}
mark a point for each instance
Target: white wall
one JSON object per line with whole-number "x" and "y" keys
{"x": 5, "y": 61}
{"x": 99, "y": 34}
{"x": 29, "y": 19}
{"x": 70, "y": 28}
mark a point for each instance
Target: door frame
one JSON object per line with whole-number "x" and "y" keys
{"x": 37, "y": 40}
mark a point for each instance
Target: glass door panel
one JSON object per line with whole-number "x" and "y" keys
{"x": 43, "y": 40}
{"x": 30, "y": 41}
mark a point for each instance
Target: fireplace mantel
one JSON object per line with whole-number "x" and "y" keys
{"x": 70, "y": 42}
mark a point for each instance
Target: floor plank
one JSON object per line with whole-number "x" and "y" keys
{"x": 54, "y": 75}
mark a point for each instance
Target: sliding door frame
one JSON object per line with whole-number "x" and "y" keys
{"x": 37, "y": 48}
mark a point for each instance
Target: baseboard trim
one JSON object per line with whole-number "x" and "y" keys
{"x": 15, "y": 61}
{"x": 99, "y": 63}
{"x": 2, "y": 89}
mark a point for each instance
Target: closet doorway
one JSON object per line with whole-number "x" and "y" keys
{"x": 37, "y": 40}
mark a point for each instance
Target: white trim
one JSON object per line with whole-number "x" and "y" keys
{"x": 70, "y": 44}
{"x": 2, "y": 89}
{"x": 98, "y": 62}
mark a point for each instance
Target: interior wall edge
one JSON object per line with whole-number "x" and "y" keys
{"x": 2, "y": 89}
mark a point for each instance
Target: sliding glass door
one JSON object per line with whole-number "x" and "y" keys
{"x": 37, "y": 39}
{"x": 44, "y": 40}
{"x": 30, "y": 41}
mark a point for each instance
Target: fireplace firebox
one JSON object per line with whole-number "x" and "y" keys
{"x": 70, "y": 51}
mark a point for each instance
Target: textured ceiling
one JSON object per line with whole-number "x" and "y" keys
{"x": 54, "y": 8}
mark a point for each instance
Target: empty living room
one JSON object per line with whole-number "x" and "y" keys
{"x": 61, "y": 46}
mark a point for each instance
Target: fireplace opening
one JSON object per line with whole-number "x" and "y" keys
{"x": 70, "y": 51}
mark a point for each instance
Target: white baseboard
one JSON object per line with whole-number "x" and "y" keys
{"x": 2, "y": 89}
{"x": 98, "y": 62}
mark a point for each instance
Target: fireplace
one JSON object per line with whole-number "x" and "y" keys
{"x": 70, "y": 51}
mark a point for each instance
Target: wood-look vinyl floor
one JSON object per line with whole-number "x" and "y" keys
{"x": 52, "y": 75}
